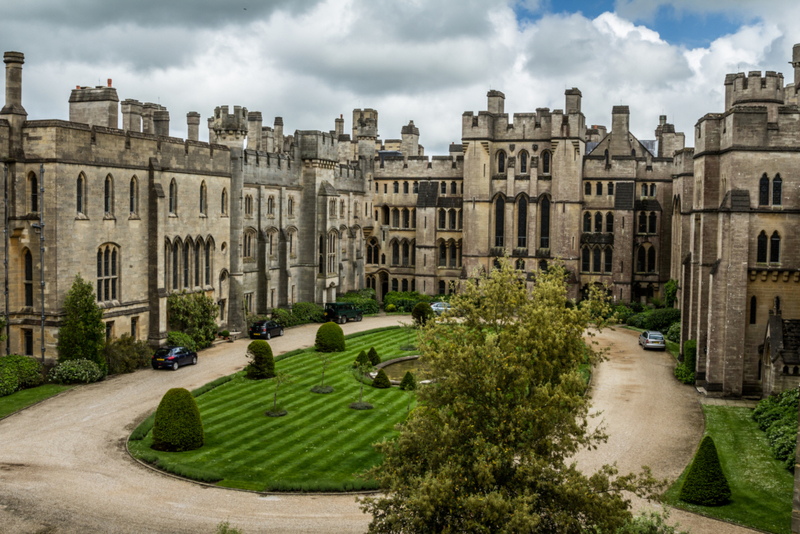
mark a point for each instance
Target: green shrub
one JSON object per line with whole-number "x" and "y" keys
{"x": 650, "y": 523}
{"x": 662, "y": 319}
{"x": 408, "y": 383}
{"x": 175, "y": 339}
{"x": 225, "y": 333}
{"x": 177, "y": 426}
{"x": 27, "y": 370}
{"x": 283, "y": 317}
{"x": 263, "y": 364}
{"x": 637, "y": 320}
{"x": 363, "y": 299}
{"x": 308, "y": 312}
{"x": 226, "y": 528}
{"x": 705, "y": 483}
{"x": 637, "y": 307}
{"x": 330, "y": 338}
{"x": 622, "y": 312}
{"x": 674, "y": 333}
{"x": 125, "y": 355}
{"x": 403, "y": 301}
{"x": 76, "y": 372}
{"x": 361, "y": 359}
{"x": 381, "y": 380}
{"x": 684, "y": 372}
{"x": 421, "y": 313}
{"x": 9, "y": 381}
{"x": 374, "y": 359}
{"x": 82, "y": 334}
{"x": 777, "y": 416}
{"x": 389, "y": 308}
{"x": 196, "y": 315}
{"x": 670, "y": 292}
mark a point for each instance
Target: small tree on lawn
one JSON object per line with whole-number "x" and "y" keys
{"x": 363, "y": 369}
{"x": 408, "y": 385}
{"x": 82, "y": 335}
{"x": 325, "y": 358}
{"x": 281, "y": 377}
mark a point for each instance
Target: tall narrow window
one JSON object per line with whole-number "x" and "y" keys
{"x": 644, "y": 190}
{"x": 546, "y": 162}
{"x": 501, "y": 162}
{"x": 586, "y": 262}
{"x": 605, "y": 156}
{"x": 641, "y": 260}
{"x": 599, "y": 188}
{"x": 611, "y": 188}
{"x": 34, "y": 183}
{"x": 406, "y": 219}
{"x": 452, "y": 219}
{"x": 405, "y": 188}
{"x": 753, "y": 309}
{"x": 108, "y": 197}
{"x": 108, "y": 262}
{"x": 290, "y": 207}
{"x": 224, "y": 202}
{"x": 332, "y": 252}
{"x": 608, "y": 267}
{"x": 763, "y": 191}
{"x": 609, "y": 222}
{"x": 598, "y": 222}
{"x": 761, "y": 249}
{"x": 499, "y": 221}
{"x": 442, "y": 255}
{"x": 395, "y": 218}
{"x": 523, "y": 162}
{"x": 453, "y": 188}
{"x": 596, "y": 260}
{"x": 587, "y": 222}
{"x": 173, "y": 197}
{"x": 207, "y": 264}
{"x": 405, "y": 254}
{"x": 652, "y": 221}
{"x": 28, "y": 278}
{"x": 587, "y": 189}
{"x": 642, "y": 223}
{"x": 416, "y": 188}
{"x": 453, "y": 255}
{"x": 652, "y": 190}
{"x": 396, "y": 187}
{"x": 443, "y": 188}
{"x": 203, "y": 198}
{"x": 545, "y": 226}
{"x": 777, "y": 190}
{"x": 175, "y": 259}
{"x": 442, "y": 219}
{"x": 395, "y": 253}
{"x": 651, "y": 260}
{"x": 197, "y": 257}
{"x": 775, "y": 248}
{"x": 186, "y": 265}
{"x": 79, "y": 194}
{"x": 133, "y": 197}
{"x": 522, "y": 222}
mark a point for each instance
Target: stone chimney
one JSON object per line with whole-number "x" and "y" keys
{"x": 573, "y": 100}
{"x": 229, "y": 129}
{"x": 147, "y": 117}
{"x": 496, "y": 101}
{"x": 620, "y": 130}
{"x": 98, "y": 106}
{"x": 795, "y": 64}
{"x": 410, "y": 139}
{"x": 161, "y": 122}
{"x": 278, "y": 128}
{"x": 131, "y": 115}
{"x": 193, "y": 122}
{"x": 254, "y": 121}
{"x": 339, "y": 126}
{"x": 14, "y": 62}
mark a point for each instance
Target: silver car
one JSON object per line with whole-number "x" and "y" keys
{"x": 440, "y": 307}
{"x": 651, "y": 339}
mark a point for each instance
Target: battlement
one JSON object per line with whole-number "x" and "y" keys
{"x": 365, "y": 123}
{"x": 315, "y": 144}
{"x": 419, "y": 166}
{"x": 753, "y": 88}
{"x": 227, "y": 128}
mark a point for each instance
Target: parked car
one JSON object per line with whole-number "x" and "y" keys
{"x": 652, "y": 340}
{"x": 340, "y": 312}
{"x": 440, "y": 307}
{"x": 173, "y": 357}
{"x": 265, "y": 330}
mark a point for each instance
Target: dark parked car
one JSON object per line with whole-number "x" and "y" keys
{"x": 173, "y": 357}
{"x": 339, "y": 312}
{"x": 652, "y": 340}
{"x": 265, "y": 330}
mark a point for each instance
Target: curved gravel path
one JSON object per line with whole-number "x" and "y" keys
{"x": 64, "y": 469}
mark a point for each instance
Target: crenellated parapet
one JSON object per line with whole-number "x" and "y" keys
{"x": 753, "y": 88}
{"x": 317, "y": 145}
{"x": 229, "y": 129}
{"x": 419, "y": 166}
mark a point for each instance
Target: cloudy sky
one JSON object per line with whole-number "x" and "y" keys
{"x": 429, "y": 61}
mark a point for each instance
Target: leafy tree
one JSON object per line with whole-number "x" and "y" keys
{"x": 194, "y": 314}
{"x": 670, "y": 292}
{"x": 421, "y": 313}
{"x": 82, "y": 335}
{"x": 281, "y": 377}
{"x": 363, "y": 369}
{"x": 361, "y": 359}
{"x": 705, "y": 483}
{"x": 488, "y": 447}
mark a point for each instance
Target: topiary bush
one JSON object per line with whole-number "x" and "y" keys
{"x": 381, "y": 380}
{"x": 125, "y": 355}
{"x": 177, "y": 426}
{"x": 408, "y": 383}
{"x": 330, "y": 338}
{"x": 684, "y": 372}
{"x": 374, "y": 359}
{"x": 674, "y": 332}
{"x": 362, "y": 359}
{"x": 28, "y": 371}
{"x": 389, "y": 308}
{"x": 263, "y": 364}
{"x": 705, "y": 483}
{"x": 180, "y": 339}
{"x": 421, "y": 313}
{"x": 637, "y": 320}
{"x": 76, "y": 372}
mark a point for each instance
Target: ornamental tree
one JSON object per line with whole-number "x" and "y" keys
{"x": 488, "y": 447}
{"x": 82, "y": 335}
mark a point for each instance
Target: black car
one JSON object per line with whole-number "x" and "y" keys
{"x": 265, "y": 330}
{"x": 173, "y": 357}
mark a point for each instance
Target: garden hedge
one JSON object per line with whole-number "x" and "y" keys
{"x": 705, "y": 483}
{"x": 330, "y": 338}
{"x": 363, "y": 299}
{"x": 381, "y": 380}
{"x": 76, "y": 372}
{"x": 125, "y": 355}
{"x": 685, "y": 371}
{"x": 777, "y": 416}
{"x": 180, "y": 339}
{"x": 262, "y": 365}
{"x": 177, "y": 426}
{"x": 18, "y": 372}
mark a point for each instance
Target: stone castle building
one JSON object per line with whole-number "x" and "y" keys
{"x": 258, "y": 219}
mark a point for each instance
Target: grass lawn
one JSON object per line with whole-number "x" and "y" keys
{"x": 25, "y": 397}
{"x": 761, "y": 488}
{"x": 319, "y": 446}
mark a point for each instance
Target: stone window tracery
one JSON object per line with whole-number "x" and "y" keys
{"x": 107, "y": 272}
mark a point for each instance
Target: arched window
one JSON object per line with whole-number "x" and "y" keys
{"x": 499, "y": 221}
{"x": 442, "y": 255}
{"x": 644, "y": 190}
{"x": 224, "y": 202}
{"x": 641, "y": 260}
{"x": 633, "y": 152}
{"x": 134, "y": 196}
{"x": 763, "y": 191}
{"x": 775, "y": 248}
{"x": 79, "y": 186}
{"x": 175, "y": 258}
{"x": 442, "y": 287}
{"x": 186, "y": 247}
{"x": 395, "y": 218}
{"x": 523, "y": 162}
{"x": 203, "y": 198}
{"x": 777, "y": 190}
{"x": 342, "y": 211}
{"x": 173, "y": 197}
{"x": 34, "y": 186}
{"x": 453, "y": 255}
{"x": 545, "y": 162}
{"x": 443, "y": 188}
{"x": 290, "y": 206}
{"x": 586, "y": 262}
{"x": 29, "y": 278}
{"x": 608, "y": 267}
{"x": 452, "y": 218}
{"x": 522, "y": 222}
{"x": 642, "y": 223}
{"x": 587, "y": 222}
{"x": 753, "y": 309}
{"x": 777, "y": 304}
{"x": 396, "y": 187}
{"x": 198, "y": 254}
{"x": 596, "y": 260}
{"x": 501, "y": 161}
{"x": 405, "y": 188}
{"x": 453, "y": 188}
{"x": 587, "y": 189}
{"x": 545, "y": 222}
{"x": 652, "y": 190}
{"x": 108, "y": 196}
{"x": 605, "y": 155}
{"x": 332, "y": 252}
{"x": 761, "y": 249}
{"x": 609, "y": 222}
{"x": 611, "y": 188}
{"x": 107, "y": 273}
{"x": 598, "y": 222}
{"x": 405, "y": 255}
{"x": 599, "y": 188}
{"x": 207, "y": 264}
{"x": 395, "y": 253}
{"x": 406, "y": 219}
{"x": 271, "y": 205}
{"x": 415, "y": 189}
{"x": 413, "y": 247}
{"x": 652, "y": 221}
{"x": 651, "y": 260}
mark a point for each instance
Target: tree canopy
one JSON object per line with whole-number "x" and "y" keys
{"x": 488, "y": 447}
{"x": 82, "y": 335}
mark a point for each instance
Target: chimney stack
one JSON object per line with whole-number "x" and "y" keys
{"x": 161, "y": 122}
{"x": 193, "y": 122}
{"x": 13, "y": 61}
{"x": 254, "y": 121}
{"x": 131, "y": 115}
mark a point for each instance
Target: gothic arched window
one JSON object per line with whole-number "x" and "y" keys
{"x": 761, "y": 248}
{"x": 777, "y": 190}
{"x": 775, "y": 248}
{"x": 499, "y": 221}
{"x": 522, "y": 222}
{"x": 763, "y": 191}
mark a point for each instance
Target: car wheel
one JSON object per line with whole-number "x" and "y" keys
{"x": 194, "y": 360}
{"x": 359, "y": 317}
{"x": 268, "y": 336}
{"x": 175, "y": 366}
{"x": 155, "y": 367}
{"x": 281, "y": 332}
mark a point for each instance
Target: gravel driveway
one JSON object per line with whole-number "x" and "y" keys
{"x": 64, "y": 469}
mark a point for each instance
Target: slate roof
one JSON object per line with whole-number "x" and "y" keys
{"x": 740, "y": 200}
{"x": 327, "y": 190}
{"x": 428, "y": 194}
{"x": 647, "y": 205}
{"x": 623, "y": 196}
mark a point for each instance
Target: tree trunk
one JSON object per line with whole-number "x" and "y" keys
{"x": 323, "y": 376}
{"x": 275, "y": 400}
{"x": 360, "y": 395}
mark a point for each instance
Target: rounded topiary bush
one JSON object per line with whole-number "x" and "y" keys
{"x": 181, "y": 339}
{"x": 263, "y": 364}
{"x": 361, "y": 359}
{"x": 374, "y": 359}
{"x": 705, "y": 483}
{"x": 330, "y": 338}
{"x": 421, "y": 313}
{"x": 177, "y": 426}
{"x": 76, "y": 372}
{"x": 381, "y": 380}
{"x": 408, "y": 383}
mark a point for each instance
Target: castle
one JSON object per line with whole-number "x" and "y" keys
{"x": 258, "y": 219}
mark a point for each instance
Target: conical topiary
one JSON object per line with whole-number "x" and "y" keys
{"x": 177, "y": 426}
{"x": 374, "y": 359}
{"x": 330, "y": 338}
{"x": 408, "y": 383}
{"x": 361, "y": 359}
{"x": 705, "y": 483}
{"x": 381, "y": 380}
{"x": 262, "y": 365}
